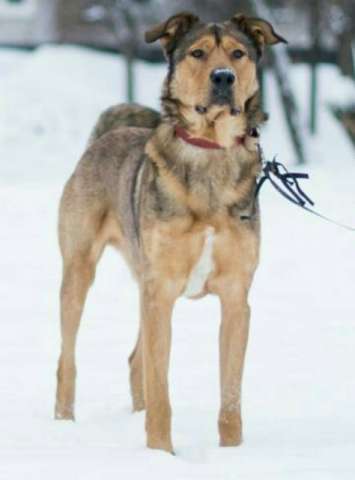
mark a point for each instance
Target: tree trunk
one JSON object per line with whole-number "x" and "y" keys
{"x": 281, "y": 65}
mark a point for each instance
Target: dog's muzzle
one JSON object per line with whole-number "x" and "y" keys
{"x": 222, "y": 80}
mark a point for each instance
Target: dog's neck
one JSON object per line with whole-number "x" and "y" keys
{"x": 203, "y": 180}
{"x": 217, "y": 125}
{"x": 201, "y": 142}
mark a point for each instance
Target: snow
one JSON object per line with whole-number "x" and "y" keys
{"x": 299, "y": 389}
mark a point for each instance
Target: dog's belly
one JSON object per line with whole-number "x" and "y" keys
{"x": 202, "y": 269}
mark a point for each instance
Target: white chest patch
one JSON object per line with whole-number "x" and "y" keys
{"x": 203, "y": 267}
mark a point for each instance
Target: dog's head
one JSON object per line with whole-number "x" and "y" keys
{"x": 213, "y": 65}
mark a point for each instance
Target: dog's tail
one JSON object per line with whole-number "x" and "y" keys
{"x": 124, "y": 115}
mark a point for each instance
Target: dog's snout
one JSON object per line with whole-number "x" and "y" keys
{"x": 222, "y": 77}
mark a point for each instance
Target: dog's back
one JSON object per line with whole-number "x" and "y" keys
{"x": 124, "y": 115}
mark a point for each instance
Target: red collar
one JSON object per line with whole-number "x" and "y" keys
{"x": 202, "y": 142}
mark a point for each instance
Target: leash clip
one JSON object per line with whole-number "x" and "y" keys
{"x": 290, "y": 188}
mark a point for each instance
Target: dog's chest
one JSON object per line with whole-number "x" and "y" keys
{"x": 202, "y": 266}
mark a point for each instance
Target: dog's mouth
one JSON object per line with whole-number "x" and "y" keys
{"x": 221, "y": 97}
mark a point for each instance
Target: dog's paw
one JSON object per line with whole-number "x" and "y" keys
{"x": 157, "y": 444}
{"x": 231, "y": 441}
{"x": 230, "y": 430}
{"x": 64, "y": 414}
{"x": 138, "y": 403}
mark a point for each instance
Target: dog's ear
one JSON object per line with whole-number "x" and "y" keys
{"x": 170, "y": 31}
{"x": 260, "y": 31}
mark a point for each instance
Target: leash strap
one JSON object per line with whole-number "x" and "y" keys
{"x": 286, "y": 183}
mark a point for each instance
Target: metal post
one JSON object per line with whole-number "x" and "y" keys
{"x": 120, "y": 12}
{"x": 314, "y": 33}
{"x": 130, "y": 78}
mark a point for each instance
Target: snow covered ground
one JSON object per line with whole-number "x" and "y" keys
{"x": 299, "y": 384}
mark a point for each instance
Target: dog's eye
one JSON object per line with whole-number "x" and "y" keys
{"x": 198, "y": 53}
{"x": 238, "y": 53}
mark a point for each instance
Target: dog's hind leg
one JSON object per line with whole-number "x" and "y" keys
{"x": 77, "y": 277}
{"x": 82, "y": 239}
{"x": 136, "y": 375}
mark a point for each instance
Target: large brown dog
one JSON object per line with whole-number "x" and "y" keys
{"x": 177, "y": 199}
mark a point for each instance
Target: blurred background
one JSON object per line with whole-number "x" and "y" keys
{"x": 62, "y": 62}
{"x": 320, "y": 33}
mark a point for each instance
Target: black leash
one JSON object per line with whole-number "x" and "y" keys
{"x": 286, "y": 183}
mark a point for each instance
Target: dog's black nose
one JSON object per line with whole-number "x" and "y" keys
{"x": 222, "y": 77}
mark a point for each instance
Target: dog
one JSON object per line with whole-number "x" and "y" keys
{"x": 175, "y": 193}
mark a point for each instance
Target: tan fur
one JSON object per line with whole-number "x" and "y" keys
{"x": 190, "y": 85}
{"x": 154, "y": 196}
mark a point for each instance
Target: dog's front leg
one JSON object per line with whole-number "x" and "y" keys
{"x": 156, "y": 306}
{"x": 233, "y": 342}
